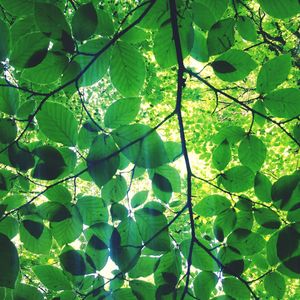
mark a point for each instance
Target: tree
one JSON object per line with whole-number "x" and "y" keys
{"x": 149, "y": 149}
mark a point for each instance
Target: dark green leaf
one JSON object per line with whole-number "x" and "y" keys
{"x": 84, "y": 22}
{"x": 9, "y": 262}
{"x": 50, "y": 164}
{"x": 51, "y": 20}
{"x": 222, "y": 66}
{"x": 72, "y": 262}
{"x": 34, "y": 228}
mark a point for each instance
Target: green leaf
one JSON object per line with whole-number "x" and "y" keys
{"x": 141, "y": 145}
{"x": 224, "y": 223}
{"x": 296, "y": 132}
{"x": 144, "y": 267}
{"x": 252, "y": 152}
{"x": 9, "y": 99}
{"x": 233, "y": 65}
{"x": 221, "y": 155}
{"x": 84, "y": 21}
{"x": 199, "y": 50}
{"x": 72, "y": 261}
{"x": 48, "y": 71}
{"x": 4, "y": 40}
{"x": 235, "y": 288}
{"x": 105, "y": 25}
{"x": 8, "y": 130}
{"x": 118, "y": 212}
{"x": 96, "y": 70}
{"x": 52, "y": 278}
{"x": 206, "y": 13}
{"x": 221, "y": 36}
{"x": 67, "y": 230}
{"x": 262, "y": 187}
{"x": 98, "y": 237}
{"x": 9, "y": 226}
{"x": 164, "y": 47}
{"x": 50, "y": 164}
{"x": 150, "y": 222}
{"x": 267, "y": 218}
{"x": 51, "y": 20}
{"x": 115, "y": 190}
{"x": 143, "y": 289}
{"x": 135, "y": 35}
{"x": 273, "y": 73}
{"x": 211, "y": 205}
{"x": 232, "y": 261}
{"x": 200, "y": 259}
{"x": 92, "y": 209}
{"x": 284, "y": 103}
{"x": 283, "y": 190}
{"x": 204, "y": 284}
{"x": 29, "y": 51}
{"x": 25, "y": 291}
{"x": 127, "y": 69}
{"x": 58, "y": 123}
{"x": 35, "y": 237}
{"x": 281, "y": 8}
{"x": 274, "y": 284}
{"x": 165, "y": 181}
{"x": 233, "y": 134}
{"x": 122, "y": 112}
{"x": 162, "y": 187}
{"x": 9, "y": 262}
{"x": 86, "y": 135}
{"x": 168, "y": 270}
{"x": 18, "y": 7}
{"x": 246, "y": 28}
{"x": 245, "y": 241}
{"x": 125, "y": 245}
{"x": 59, "y": 194}
{"x": 139, "y": 198}
{"x": 237, "y": 179}
{"x": 259, "y": 107}
{"x": 103, "y": 159}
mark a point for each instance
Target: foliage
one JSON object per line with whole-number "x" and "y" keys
{"x": 149, "y": 149}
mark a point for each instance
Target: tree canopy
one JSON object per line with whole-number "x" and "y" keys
{"x": 149, "y": 149}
